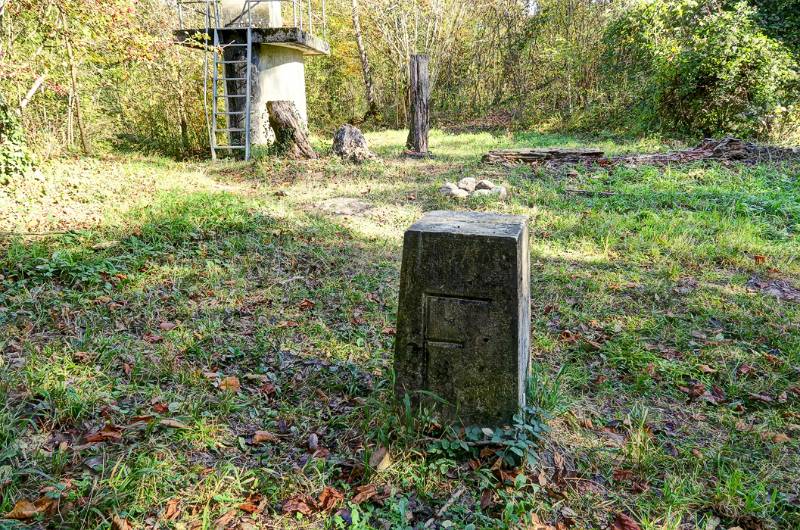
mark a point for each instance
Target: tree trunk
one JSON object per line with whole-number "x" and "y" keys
{"x": 73, "y": 74}
{"x": 372, "y": 102}
{"x": 291, "y": 135}
{"x": 419, "y": 92}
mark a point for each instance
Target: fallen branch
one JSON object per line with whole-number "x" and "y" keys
{"x": 34, "y": 88}
{"x": 453, "y": 498}
{"x": 724, "y": 150}
{"x": 535, "y": 156}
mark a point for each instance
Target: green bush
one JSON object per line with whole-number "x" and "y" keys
{"x": 14, "y": 158}
{"x": 700, "y": 68}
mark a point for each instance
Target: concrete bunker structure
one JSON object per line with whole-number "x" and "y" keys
{"x": 256, "y": 52}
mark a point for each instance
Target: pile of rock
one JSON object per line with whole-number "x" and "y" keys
{"x": 470, "y": 187}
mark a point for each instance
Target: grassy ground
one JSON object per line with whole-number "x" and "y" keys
{"x": 190, "y": 306}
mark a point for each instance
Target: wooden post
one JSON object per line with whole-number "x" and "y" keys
{"x": 419, "y": 117}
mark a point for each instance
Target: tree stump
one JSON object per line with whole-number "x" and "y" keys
{"x": 291, "y": 134}
{"x": 349, "y": 143}
{"x": 419, "y": 91}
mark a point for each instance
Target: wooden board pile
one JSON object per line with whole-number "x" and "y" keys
{"x": 539, "y": 156}
{"x": 725, "y": 150}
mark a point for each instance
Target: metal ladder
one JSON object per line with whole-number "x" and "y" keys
{"x": 219, "y": 77}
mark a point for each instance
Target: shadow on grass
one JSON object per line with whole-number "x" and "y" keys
{"x": 131, "y": 327}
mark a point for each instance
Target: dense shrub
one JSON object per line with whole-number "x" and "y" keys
{"x": 700, "y": 68}
{"x": 14, "y": 158}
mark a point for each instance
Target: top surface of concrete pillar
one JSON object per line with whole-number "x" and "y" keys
{"x": 265, "y": 14}
{"x": 463, "y": 320}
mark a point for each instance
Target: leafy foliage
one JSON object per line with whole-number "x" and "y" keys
{"x": 14, "y": 158}
{"x": 699, "y": 68}
{"x": 781, "y": 20}
{"x": 517, "y": 445}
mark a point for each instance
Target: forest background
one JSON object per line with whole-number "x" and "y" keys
{"x": 85, "y": 76}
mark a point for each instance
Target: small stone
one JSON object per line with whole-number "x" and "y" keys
{"x": 499, "y": 191}
{"x": 467, "y": 184}
{"x": 451, "y": 190}
{"x": 484, "y": 185}
{"x": 448, "y": 188}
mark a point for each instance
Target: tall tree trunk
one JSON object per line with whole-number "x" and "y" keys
{"x": 372, "y": 102}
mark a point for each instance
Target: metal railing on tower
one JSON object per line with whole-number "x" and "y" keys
{"x": 228, "y": 58}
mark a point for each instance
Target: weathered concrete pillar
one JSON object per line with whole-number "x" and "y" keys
{"x": 281, "y": 77}
{"x": 278, "y": 74}
{"x": 463, "y": 322}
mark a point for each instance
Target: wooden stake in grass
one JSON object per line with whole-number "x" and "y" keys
{"x": 419, "y": 95}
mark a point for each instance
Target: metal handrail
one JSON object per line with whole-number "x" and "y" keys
{"x": 303, "y": 14}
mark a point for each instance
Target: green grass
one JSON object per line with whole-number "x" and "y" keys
{"x": 638, "y": 297}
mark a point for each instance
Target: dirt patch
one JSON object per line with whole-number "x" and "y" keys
{"x": 344, "y": 206}
{"x": 780, "y": 289}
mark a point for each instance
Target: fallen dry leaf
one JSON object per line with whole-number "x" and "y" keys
{"x": 380, "y": 459}
{"x": 761, "y": 397}
{"x": 160, "y": 408}
{"x": 365, "y": 493}
{"x": 694, "y": 390}
{"x": 706, "y": 369}
{"x": 225, "y": 520}
{"x": 624, "y": 522}
{"x": 780, "y": 438}
{"x": 306, "y": 305}
{"x": 107, "y": 433}
{"x": 230, "y": 383}
{"x": 261, "y": 437}
{"x": 487, "y": 499}
{"x": 746, "y": 369}
{"x": 759, "y": 259}
{"x": 249, "y": 507}
{"x": 174, "y": 424}
{"x": 330, "y": 498}
{"x": 118, "y": 523}
{"x": 299, "y": 504}
{"x": 172, "y": 511}
{"x": 24, "y": 509}
{"x": 288, "y": 324}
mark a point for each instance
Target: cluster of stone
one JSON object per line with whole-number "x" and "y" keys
{"x": 469, "y": 186}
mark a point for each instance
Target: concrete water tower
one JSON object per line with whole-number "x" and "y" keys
{"x": 255, "y": 53}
